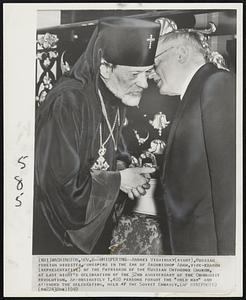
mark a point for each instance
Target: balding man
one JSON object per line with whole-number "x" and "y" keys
{"x": 198, "y": 176}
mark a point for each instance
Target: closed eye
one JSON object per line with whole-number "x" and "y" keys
{"x": 135, "y": 73}
{"x": 147, "y": 72}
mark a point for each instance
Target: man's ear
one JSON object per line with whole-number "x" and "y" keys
{"x": 182, "y": 54}
{"x": 105, "y": 71}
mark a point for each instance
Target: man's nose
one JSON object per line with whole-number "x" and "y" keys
{"x": 142, "y": 80}
{"x": 153, "y": 75}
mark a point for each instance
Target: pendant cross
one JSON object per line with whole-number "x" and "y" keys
{"x": 150, "y": 40}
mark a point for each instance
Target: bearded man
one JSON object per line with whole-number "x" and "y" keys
{"x": 78, "y": 140}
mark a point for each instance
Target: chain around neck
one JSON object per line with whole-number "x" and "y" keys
{"x": 111, "y": 129}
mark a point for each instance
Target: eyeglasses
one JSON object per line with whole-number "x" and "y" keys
{"x": 164, "y": 51}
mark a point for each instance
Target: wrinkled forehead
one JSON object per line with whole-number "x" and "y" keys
{"x": 134, "y": 68}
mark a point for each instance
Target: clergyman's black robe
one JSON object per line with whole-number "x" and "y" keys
{"x": 71, "y": 200}
{"x": 73, "y": 205}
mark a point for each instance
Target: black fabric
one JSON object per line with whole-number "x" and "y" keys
{"x": 198, "y": 175}
{"x": 132, "y": 41}
{"x": 73, "y": 203}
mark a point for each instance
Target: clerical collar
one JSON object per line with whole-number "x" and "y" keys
{"x": 108, "y": 96}
{"x": 188, "y": 80}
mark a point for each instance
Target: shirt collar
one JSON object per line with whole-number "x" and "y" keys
{"x": 189, "y": 78}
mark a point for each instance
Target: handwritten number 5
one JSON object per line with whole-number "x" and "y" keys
{"x": 21, "y": 162}
{"x": 19, "y": 201}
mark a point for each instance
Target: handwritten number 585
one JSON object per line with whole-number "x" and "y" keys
{"x": 20, "y": 184}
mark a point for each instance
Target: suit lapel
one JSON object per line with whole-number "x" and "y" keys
{"x": 171, "y": 135}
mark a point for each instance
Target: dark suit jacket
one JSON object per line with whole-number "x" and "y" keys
{"x": 198, "y": 174}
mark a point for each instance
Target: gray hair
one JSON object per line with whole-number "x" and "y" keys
{"x": 198, "y": 42}
{"x": 193, "y": 39}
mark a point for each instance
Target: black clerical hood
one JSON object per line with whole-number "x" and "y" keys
{"x": 128, "y": 41}
{"x": 120, "y": 41}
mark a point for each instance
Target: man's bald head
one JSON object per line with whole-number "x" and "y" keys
{"x": 178, "y": 54}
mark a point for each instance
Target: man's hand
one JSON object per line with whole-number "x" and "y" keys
{"x": 135, "y": 181}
